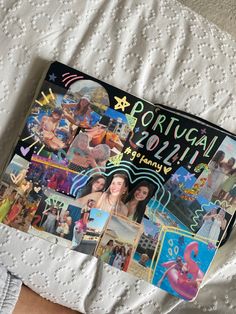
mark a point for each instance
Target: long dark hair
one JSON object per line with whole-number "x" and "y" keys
{"x": 88, "y": 188}
{"x": 233, "y": 160}
{"x": 140, "y": 209}
{"x": 116, "y": 249}
{"x": 122, "y": 248}
{"x": 232, "y": 171}
{"x": 217, "y": 158}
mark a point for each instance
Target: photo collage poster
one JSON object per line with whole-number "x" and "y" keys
{"x": 147, "y": 189}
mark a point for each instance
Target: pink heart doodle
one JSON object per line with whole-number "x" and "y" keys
{"x": 24, "y": 151}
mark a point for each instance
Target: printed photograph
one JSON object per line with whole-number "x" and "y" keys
{"x": 177, "y": 205}
{"x": 19, "y": 210}
{"x": 112, "y": 198}
{"x": 182, "y": 264}
{"x": 96, "y": 93}
{"x": 118, "y": 242}
{"x": 56, "y": 214}
{"x": 138, "y": 199}
{"x": 113, "y": 194}
{"x": 93, "y": 184}
{"x": 160, "y": 215}
{"x": 19, "y": 197}
{"x": 220, "y": 177}
{"x": 15, "y": 174}
{"x": 88, "y": 229}
{"x": 82, "y": 156}
{"x": 50, "y": 175}
{"x": 142, "y": 263}
{"x": 211, "y": 222}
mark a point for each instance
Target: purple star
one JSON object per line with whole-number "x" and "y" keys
{"x": 188, "y": 176}
{"x": 52, "y": 77}
{"x": 175, "y": 177}
{"x": 203, "y": 131}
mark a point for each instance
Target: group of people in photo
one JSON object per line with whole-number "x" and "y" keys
{"x": 7, "y": 204}
{"x": 115, "y": 197}
{"x": 81, "y": 155}
{"x": 56, "y": 127}
{"x": 16, "y": 210}
{"x": 116, "y": 255}
{"x": 56, "y": 222}
{"x": 213, "y": 223}
{"x": 221, "y": 179}
{"x": 109, "y": 198}
{"x": 51, "y": 177}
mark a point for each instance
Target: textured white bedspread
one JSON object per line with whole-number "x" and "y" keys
{"x": 154, "y": 49}
{"x": 9, "y": 291}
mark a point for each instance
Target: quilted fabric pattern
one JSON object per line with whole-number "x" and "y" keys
{"x": 157, "y": 50}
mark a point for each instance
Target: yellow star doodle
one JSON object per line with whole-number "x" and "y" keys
{"x": 122, "y": 103}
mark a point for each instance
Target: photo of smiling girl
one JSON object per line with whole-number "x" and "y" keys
{"x": 96, "y": 183}
{"x": 112, "y": 199}
{"x": 137, "y": 200}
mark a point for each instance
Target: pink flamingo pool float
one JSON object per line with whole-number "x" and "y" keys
{"x": 179, "y": 281}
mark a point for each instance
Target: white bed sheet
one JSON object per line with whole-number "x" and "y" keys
{"x": 158, "y": 50}
{"x": 9, "y": 291}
